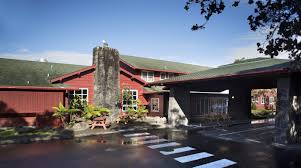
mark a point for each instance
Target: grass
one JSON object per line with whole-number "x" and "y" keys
{"x": 13, "y": 132}
{"x": 261, "y": 114}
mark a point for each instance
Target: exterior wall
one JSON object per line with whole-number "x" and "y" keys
{"x": 84, "y": 80}
{"x": 126, "y": 81}
{"x": 29, "y": 107}
{"x": 267, "y": 104}
{"x": 161, "y": 105}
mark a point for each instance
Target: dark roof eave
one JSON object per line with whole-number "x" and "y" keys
{"x": 218, "y": 77}
{"x": 38, "y": 88}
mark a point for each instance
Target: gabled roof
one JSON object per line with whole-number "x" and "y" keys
{"x": 160, "y": 65}
{"x": 32, "y": 73}
{"x": 254, "y": 66}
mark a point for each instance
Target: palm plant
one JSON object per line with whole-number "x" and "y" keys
{"x": 60, "y": 112}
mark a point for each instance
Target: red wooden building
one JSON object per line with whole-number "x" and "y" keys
{"x": 32, "y": 88}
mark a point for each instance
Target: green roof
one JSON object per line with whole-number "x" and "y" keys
{"x": 32, "y": 73}
{"x": 148, "y": 63}
{"x": 251, "y": 66}
{"x": 155, "y": 89}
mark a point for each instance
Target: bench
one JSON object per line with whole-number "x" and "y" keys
{"x": 100, "y": 122}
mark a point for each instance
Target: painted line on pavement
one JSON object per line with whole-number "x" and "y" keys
{"x": 153, "y": 141}
{"x": 217, "y": 164}
{"x": 193, "y": 157}
{"x": 136, "y": 134}
{"x": 177, "y": 150}
{"x": 164, "y": 145}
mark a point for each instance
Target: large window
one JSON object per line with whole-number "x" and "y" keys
{"x": 155, "y": 104}
{"x": 129, "y": 102}
{"x": 271, "y": 101}
{"x": 148, "y": 76}
{"x": 82, "y": 93}
{"x": 263, "y": 99}
{"x": 166, "y": 75}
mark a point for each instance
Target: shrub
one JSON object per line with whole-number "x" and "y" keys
{"x": 253, "y": 106}
{"x": 91, "y": 112}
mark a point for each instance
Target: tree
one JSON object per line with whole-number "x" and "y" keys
{"x": 279, "y": 18}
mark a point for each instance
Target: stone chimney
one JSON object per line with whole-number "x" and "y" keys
{"x": 106, "y": 84}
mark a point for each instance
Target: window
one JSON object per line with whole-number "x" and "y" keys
{"x": 148, "y": 76}
{"x": 263, "y": 100}
{"x": 166, "y": 75}
{"x": 163, "y": 75}
{"x": 155, "y": 104}
{"x": 82, "y": 93}
{"x": 133, "y": 103}
{"x": 255, "y": 99}
{"x": 271, "y": 101}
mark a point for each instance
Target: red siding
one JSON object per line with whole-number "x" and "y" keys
{"x": 28, "y": 107}
{"x": 126, "y": 81}
{"x": 161, "y": 105}
{"x": 84, "y": 80}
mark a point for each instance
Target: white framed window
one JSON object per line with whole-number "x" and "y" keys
{"x": 271, "y": 100}
{"x": 148, "y": 76}
{"x": 82, "y": 93}
{"x": 166, "y": 75}
{"x": 262, "y": 99}
{"x": 126, "y": 104}
{"x": 155, "y": 104}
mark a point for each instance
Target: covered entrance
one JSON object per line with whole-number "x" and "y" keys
{"x": 240, "y": 79}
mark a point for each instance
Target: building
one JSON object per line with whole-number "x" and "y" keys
{"x": 264, "y": 99}
{"x": 23, "y": 83}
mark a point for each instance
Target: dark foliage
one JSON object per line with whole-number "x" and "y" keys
{"x": 279, "y": 18}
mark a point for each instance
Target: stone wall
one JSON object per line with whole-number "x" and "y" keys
{"x": 106, "y": 84}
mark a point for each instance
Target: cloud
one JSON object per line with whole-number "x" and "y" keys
{"x": 52, "y": 56}
{"x": 246, "y": 47}
{"x": 250, "y": 51}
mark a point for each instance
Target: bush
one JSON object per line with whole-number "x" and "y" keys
{"x": 91, "y": 112}
{"x": 253, "y": 106}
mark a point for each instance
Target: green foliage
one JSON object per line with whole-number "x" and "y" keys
{"x": 77, "y": 103}
{"x": 60, "y": 112}
{"x": 280, "y": 19}
{"x": 253, "y": 106}
{"x": 261, "y": 114}
{"x": 92, "y": 112}
{"x": 140, "y": 113}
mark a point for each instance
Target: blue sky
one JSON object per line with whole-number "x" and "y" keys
{"x": 66, "y": 31}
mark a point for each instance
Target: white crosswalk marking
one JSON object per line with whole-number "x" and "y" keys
{"x": 193, "y": 157}
{"x": 153, "y": 141}
{"x": 136, "y": 134}
{"x": 144, "y": 137}
{"x": 217, "y": 164}
{"x": 163, "y": 145}
{"x": 177, "y": 150}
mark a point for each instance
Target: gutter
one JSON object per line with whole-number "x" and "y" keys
{"x": 220, "y": 77}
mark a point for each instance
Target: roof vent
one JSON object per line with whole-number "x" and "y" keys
{"x": 43, "y": 60}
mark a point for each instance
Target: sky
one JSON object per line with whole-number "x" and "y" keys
{"x": 66, "y": 31}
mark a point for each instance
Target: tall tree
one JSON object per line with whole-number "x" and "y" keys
{"x": 279, "y": 18}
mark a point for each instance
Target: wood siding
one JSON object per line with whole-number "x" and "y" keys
{"x": 83, "y": 80}
{"x": 28, "y": 107}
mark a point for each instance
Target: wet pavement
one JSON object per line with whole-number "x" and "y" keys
{"x": 152, "y": 148}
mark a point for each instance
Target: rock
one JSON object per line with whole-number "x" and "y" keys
{"x": 80, "y": 126}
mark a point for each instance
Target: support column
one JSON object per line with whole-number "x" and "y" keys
{"x": 282, "y": 120}
{"x": 239, "y": 105}
{"x": 179, "y": 106}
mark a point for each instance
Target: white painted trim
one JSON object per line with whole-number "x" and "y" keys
{"x": 147, "y": 72}
{"x": 136, "y": 99}
{"x": 158, "y": 104}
